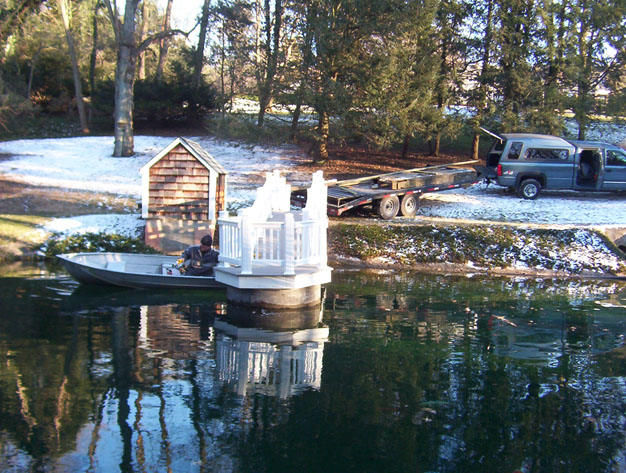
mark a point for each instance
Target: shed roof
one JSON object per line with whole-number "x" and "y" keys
{"x": 194, "y": 149}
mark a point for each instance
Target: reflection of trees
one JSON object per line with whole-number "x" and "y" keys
{"x": 45, "y": 394}
{"x": 509, "y": 417}
{"x": 418, "y": 375}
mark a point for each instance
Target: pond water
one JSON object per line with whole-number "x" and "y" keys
{"x": 396, "y": 372}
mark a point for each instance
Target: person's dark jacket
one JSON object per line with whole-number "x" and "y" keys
{"x": 199, "y": 263}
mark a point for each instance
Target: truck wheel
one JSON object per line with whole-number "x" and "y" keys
{"x": 529, "y": 189}
{"x": 408, "y": 206}
{"x": 388, "y": 207}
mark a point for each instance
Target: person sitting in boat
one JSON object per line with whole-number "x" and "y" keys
{"x": 199, "y": 260}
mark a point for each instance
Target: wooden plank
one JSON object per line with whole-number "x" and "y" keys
{"x": 200, "y": 172}
{"x": 182, "y": 159}
{"x": 351, "y": 182}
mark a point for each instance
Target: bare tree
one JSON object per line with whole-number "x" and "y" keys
{"x": 65, "y": 7}
{"x": 127, "y": 53}
{"x": 164, "y": 44}
{"x": 267, "y": 52}
{"x": 198, "y": 60}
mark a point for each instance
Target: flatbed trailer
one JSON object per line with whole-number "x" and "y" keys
{"x": 392, "y": 192}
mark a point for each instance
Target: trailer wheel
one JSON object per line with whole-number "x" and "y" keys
{"x": 529, "y": 189}
{"x": 409, "y": 205}
{"x": 388, "y": 207}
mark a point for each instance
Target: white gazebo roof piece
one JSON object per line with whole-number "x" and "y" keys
{"x": 273, "y": 196}
{"x": 196, "y": 151}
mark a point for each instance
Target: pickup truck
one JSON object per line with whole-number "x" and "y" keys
{"x": 531, "y": 162}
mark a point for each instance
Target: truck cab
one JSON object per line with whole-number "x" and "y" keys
{"x": 606, "y": 160}
{"x": 531, "y": 162}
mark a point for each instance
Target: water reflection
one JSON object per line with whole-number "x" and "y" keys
{"x": 396, "y": 372}
{"x": 251, "y": 358}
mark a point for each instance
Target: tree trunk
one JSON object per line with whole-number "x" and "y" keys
{"x": 33, "y": 65}
{"x": 222, "y": 73}
{"x": 94, "y": 49}
{"x": 434, "y": 145}
{"x": 164, "y": 44}
{"x": 124, "y": 83}
{"x": 582, "y": 126}
{"x": 296, "y": 118}
{"x": 475, "y": 145}
{"x": 262, "y": 108}
{"x": 405, "y": 146}
{"x": 65, "y": 7}
{"x": 199, "y": 56}
{"x": 321, "y": 149}
{"x": 141, "y": 59}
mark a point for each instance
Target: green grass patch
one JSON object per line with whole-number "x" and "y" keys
{"x": 19, "y": 235}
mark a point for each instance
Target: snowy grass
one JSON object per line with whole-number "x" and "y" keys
{"x": 85, "y": 163}
{"x": 495, "y": 203}
{"x": 481, "y": 247}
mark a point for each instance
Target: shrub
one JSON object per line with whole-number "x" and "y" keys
{"x": 164, "y": 103}
{"x": 93, "y": 242}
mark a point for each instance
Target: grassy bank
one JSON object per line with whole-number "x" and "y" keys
{"x": 476, "y": 248}
{"x": 25, "y": 208}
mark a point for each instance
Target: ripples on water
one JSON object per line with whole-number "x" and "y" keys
{"x": 396, "y": 372}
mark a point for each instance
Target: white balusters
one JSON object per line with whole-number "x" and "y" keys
{"x": 268, "y": 234}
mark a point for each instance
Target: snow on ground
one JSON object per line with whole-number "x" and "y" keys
{"x": 495, "y": 203}
{"x": 85, "y": 163}
{"x": 122, "y": 224}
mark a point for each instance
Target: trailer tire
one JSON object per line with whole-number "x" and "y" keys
{"x": 409, "y": 205}
{"x": 388, "y": 207}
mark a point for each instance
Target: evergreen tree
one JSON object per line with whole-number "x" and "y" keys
{"x": 396, "y": 83}
{"x": 481, "y": 67}
{"x": 268, "y": 43}
{"x": 449, "y": 24}
{"x": 595, "y": 50}
{"x": 550, "y": 62}
{"x": 517, "y": 84}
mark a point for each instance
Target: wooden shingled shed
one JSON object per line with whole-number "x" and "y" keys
{"x": 183, "y": 190}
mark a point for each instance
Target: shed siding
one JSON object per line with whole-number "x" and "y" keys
{"x": 179, "y": 187}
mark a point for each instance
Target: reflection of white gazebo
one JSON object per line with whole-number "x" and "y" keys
{"x": 279, "y": 364}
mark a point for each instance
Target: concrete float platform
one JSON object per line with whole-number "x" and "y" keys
{"x": 268, "y": 286}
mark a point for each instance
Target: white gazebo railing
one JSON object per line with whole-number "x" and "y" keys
{"x": 269, "y": 235}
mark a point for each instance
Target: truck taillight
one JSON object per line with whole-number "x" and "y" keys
{"x": 499, "y": 170}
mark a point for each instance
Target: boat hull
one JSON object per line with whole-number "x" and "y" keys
{"x": 131, "y": 270}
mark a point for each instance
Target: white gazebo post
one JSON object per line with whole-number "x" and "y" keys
{"x": 247, "y": 233}
{"x": 288, "y": 230}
